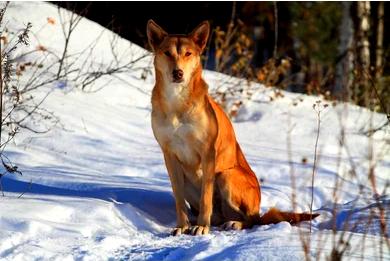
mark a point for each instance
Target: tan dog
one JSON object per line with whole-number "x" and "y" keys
{"x": 206, "y": 166}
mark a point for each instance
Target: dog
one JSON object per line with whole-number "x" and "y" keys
{"x": 205, "y": 164}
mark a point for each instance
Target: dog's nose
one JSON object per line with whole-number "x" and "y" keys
{"x": 177, "y": 74}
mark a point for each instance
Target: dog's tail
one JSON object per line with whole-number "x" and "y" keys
{"x": 274, "y": 216}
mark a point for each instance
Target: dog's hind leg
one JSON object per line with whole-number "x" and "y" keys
{"x": 240, "y": 195}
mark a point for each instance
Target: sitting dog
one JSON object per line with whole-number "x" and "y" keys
{"x": 206, "y": 165}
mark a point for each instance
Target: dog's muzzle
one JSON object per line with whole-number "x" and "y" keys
{"x": 177, "y": 75}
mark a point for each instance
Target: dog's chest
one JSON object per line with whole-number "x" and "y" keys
{"x": 182, "y": 134}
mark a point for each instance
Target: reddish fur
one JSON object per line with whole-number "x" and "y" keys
{"x": 208, "y": 141}
{"x": 274, "y": 216}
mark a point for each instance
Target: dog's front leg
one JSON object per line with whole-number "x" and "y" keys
{"x": 206, "y": 200}
{"x": 176, "y": 176}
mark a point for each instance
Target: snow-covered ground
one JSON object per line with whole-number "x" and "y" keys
{"x": 96, "y": 187}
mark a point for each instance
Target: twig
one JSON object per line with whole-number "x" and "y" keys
{"x": 318, "y": 110}
{"x": 276, "y": 28}
{"x": 1, "y": 87}
{"x": 73, "y": 22}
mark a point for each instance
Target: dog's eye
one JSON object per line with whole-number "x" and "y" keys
{"x": 188, "y": 54}
{"x": 167, "y": 53}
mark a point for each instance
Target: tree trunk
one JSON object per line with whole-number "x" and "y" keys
{"x": 363, "y": 52}
{"x": 344, "y": 66}
{"x": 379, "y": 41}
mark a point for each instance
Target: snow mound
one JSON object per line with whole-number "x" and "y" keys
{"x": 97, "y": 188}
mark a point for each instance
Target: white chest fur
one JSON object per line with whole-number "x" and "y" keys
{"x": 182, "y": 135}
{"x": 175, "y": 94}
{"x": 182, "y": 129}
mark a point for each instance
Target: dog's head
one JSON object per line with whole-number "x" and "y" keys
{"x": 177, "y": 56}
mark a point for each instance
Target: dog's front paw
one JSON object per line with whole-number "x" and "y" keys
{"x": 199, "y": 230}
{"x": 177, "y": 231}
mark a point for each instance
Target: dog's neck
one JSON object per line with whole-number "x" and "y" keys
{"x": 179, "y": 97}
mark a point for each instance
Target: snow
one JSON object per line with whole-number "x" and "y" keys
{"x": 96, "y": 186}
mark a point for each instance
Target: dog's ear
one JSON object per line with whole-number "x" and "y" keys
{"x": 155, "y": 34}
{"x": 200, "y": 34}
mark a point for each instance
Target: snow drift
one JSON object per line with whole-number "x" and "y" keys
{"x": 96, "y": 187}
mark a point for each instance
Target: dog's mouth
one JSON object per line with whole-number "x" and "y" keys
{"x": 178, "y": 80}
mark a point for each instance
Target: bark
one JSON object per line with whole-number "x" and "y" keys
{"x": 344, "y": 66}
{"x": 379, "y": 41}
{"x": 364, "y": 27}
{"x": 363, "y": 51}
